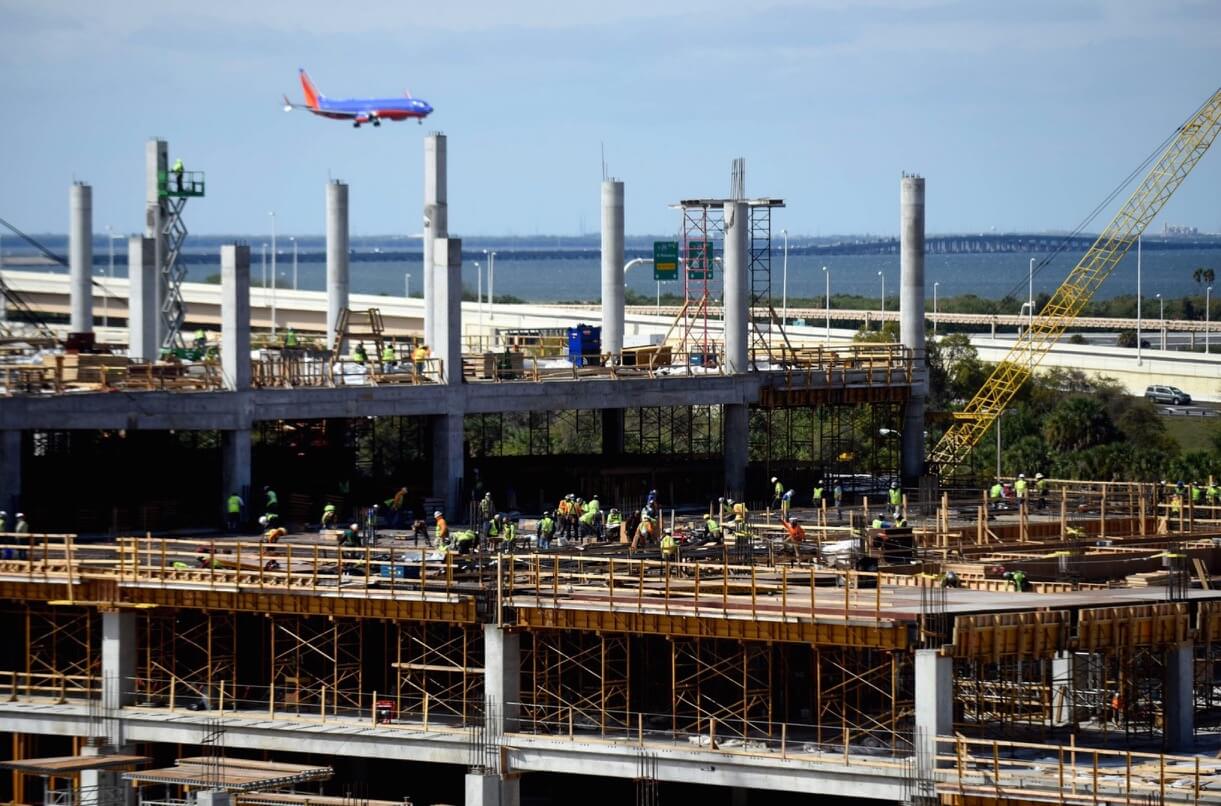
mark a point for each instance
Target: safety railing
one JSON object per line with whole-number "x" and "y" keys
{"x": 114, "y": 373}
{"x": 1071, "y": 774}
{"x": 48, "y": 687}
{"x": 180, "y": 183}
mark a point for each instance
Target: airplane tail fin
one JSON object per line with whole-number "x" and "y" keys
{"x": 311, "y": 93}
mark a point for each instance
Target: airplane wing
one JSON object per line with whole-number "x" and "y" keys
{"x": 330, "y": 113}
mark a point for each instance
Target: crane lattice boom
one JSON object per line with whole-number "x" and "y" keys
{"x": 1067, "y": 303}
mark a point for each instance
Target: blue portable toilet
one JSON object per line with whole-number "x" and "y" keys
{"x": 585, "y": 345}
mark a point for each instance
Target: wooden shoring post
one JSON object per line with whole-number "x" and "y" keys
{"x": 610, "y": 583}
{"x": 1141, "y": 500}
{"x": 847, "y": 592}
{"x": 1063, "y": 514}
{"x": 427, "y": 702}
{"x": 697, "y": 590}
{"x": 640, "y": 586}
{"x": 980, "y": 517}
{"x": 754, "y": 593}
{"x": 812, "y": 595}
{"x": 784, "y": 591}
{"x": 238, "y": 561}
{"x": 555, "y": 580}
{"x": 322, "y": 702}
{"x": 725, "y": 578}
{"x": 665, "y": 568}
{"x": 288, "y": 565}
{"x": 904, "y": 506}
{"x": 314, "y": 571}
{"x": 1102, "y": 514}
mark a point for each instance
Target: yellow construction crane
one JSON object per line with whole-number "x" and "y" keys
{"x": 1185, "y": 149}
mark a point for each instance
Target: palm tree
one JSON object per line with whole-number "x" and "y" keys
{"x": 1203, "y": 275}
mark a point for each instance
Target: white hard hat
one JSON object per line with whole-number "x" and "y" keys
{"x": 20, "y": 514}
{"x": 353, "y": 527}
{"x": 1021, "y": 475}
{"x": 262, "y": 520}
{"x": 1038, "y": 475}
{"x": 437, "y": 514}
{"x": 773, "y": 478}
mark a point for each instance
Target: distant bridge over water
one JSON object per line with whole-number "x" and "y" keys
{"x": 995, "y": 243}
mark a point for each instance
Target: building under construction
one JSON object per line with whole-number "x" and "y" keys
{"x": 1064, "y": 648}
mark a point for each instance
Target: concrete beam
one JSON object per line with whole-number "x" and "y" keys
{"x": 235, "y": 313}
{"x": 737, "y": 291}
{"x": 80, "y": 256}
{"x": 447, "y": 307}
{"x": 336, "y": 259}
{"x": 612, "y": 266}
{"x": 142, "y": 314}
{"x": 10, "y": 474}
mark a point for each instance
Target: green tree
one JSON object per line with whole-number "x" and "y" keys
{"x": 1077, "y": 424}
{"x": 1204, "y": 276}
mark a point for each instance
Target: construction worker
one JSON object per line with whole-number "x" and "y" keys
{"x": 510, "y": 535}
{"x": 572, "y": 510}
{"x": 442, "y": 527}
{"x": 350, "y": 537}
{"x": 394, "y": 506}
{"x": 669, "y": 547}
{"x": 178, "y": 170}
{"x": 614, "y": 524}
{"x": 487, "y": 511}
{"x": 546, "y": 531}
{"x": 466, "y": 540}
{"x": 838, "y": 494}
{"x": 419, "y": 529}
{"x": 420, "y": 356}
{"x": 233, "y": 512}
{"x": 201, "y": 341}
{"x": 271, "y": 502}
{"x": 389, "y": 357}
{"x": 1197, "y": 493}
{"x": 777, "y": 492}
{"x": 329, "y": 517}
{"x": 1019, "y": 581}
{"x": 794, "y": 535}
{"x": 816, "y": 496}
{"x": 995, "y": 492}
{"x": 895, "y": 498}
{"x": 271, "y": 531}
{"x": 359, "y": 355}
{"x": 588, "y": 523}
{"x": 712, "y": 529}
{"x": 739, "y": 514}
{"x": 3, "y": 521}
{"x": 644, "y": 532}
{"x": 786, "y": 503}
{"x": 290, "y": 338}
{"x": 1040, "y": 487}
{"x": 1019, "y": 489}
{"x": 1214, "y": 493}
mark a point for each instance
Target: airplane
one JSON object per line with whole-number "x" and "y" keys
{"x": 359, "y": 110}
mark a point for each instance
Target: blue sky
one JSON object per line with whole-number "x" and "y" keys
{"x": 1022, "y": 115}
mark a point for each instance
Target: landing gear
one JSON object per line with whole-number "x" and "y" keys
{"x": 377, "y": 122}
{"x": 356, "y": 124}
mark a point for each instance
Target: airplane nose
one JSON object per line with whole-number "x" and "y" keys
{"x": 425, "y": 108}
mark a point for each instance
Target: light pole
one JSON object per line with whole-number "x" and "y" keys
{"x": 491, "y": 294}
{"x": 294, "y": 240}
{"x": 406, "y": 285}
{"x": 827, "y": 274}
{"x": 479, "y": 302}
{"x": 272, "y": 213}
{"x": 1207, "y": 299}
{"x": 1030, "y": 286}
{"x": 882, "y": 320}
{"x": 1138, "y": 355}
{"x": 110, "y": 276}
{"x": 1026, "y": 306}
{"x": 784, "y": 283}
{"x": 935, "y": 285}
{"x": 1161, "y": 316}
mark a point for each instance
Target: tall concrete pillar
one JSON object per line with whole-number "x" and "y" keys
{"x": 142, "y": 313}
{"x": 447, "y": 307}
{"x": 118, "y": 660}
{"x": 436, "y": 224}
{"x": 80, "y": 257}
{"x": 448, "y": 460}
{"x": 502, "y": 676}
{"x": 934, "y": 701}
{"x": 736, "y": 444}
{"x": 235, "y": 316}
{"x": 737, "y": 294}
{"x": 156, "y": 165}
{"x": 235, "y": 466}
{"x": 489, "y": 789}
{"x": 612, "y": 267}
{"x": 1062, "y": 689}
{"x": 911, "y": 321}
{"x": 10, "y": 474}
{"x": 336, "y": 259}
{"x": 1179, "y": 705}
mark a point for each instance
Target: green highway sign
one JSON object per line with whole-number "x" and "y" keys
{"x": 699, "y": 260}
{"x": 665, "y": 260}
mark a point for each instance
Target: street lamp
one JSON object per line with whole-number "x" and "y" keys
{"x": 1207, "y": 299}
{"x": 406, "y": 285}
{"x": 294, "y": 240}
{"x": 1030, "y": 286}
{"x": 1138, "y": 354}
{"x": 827, "y": 274}
{"x": 272, "y": 213}
{"x": 479, "y": 302}
{"x": 784, "y": 283}
{"x": 1029, "y": 308}
{"x": 882, "y": 320}
{"x": 935, "y": 285}
{"x": 1161, "y": 307}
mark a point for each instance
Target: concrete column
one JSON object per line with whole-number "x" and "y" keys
{"x": 736, "y": 444}
{"x": 502, "y": 675}
{"x": 142, "y": 313}
{"x": 489, "y": 789}
{"x": 1179, "y": 705}
{"x": 911, "y": 321}
{"x": 934, "y": 700}
{"x": 156, "y": 165}
{"x": 436, "y": 223}
{"x": 10, "y": 474}
{"x": 612, "y": 266}
{"x": 118, "y": 660}
{"x": 448, "y": 457}
{"x": 80, "y": 257}
{"x": 235, "y": 316}
{"x": 447, "y": 305}
{"x": 213, "y": 798}
{"x": 336, "y": 259}
{"x": 235, "y": 466}
{"x": 737, "y": 294}
{"x": 1062, "y": 689}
